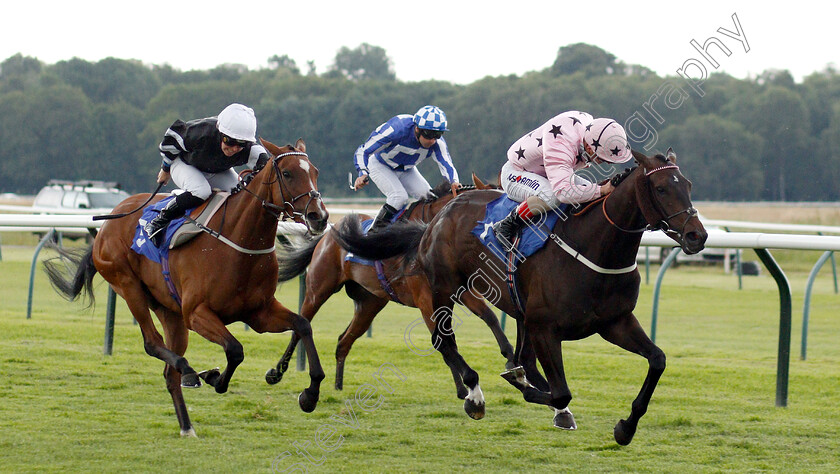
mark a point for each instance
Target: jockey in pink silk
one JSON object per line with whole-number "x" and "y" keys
{"x": 540, "y": 168}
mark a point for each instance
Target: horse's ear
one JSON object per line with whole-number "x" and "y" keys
{"x": 300, "y": 145}
{"x": 672, "y": 157}
{"x": 639, "y": 156}
{"x": 271, "y": 147}
{"x": 642, "y": 159}
{"x": 477, "y": 182}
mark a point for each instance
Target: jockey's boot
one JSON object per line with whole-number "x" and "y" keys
{"x": 156, "y": 228}
{"x": 383, "y": 219}
{"x": 507, "y": 229}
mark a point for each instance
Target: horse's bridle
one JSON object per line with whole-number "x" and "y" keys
{"x": 663, "y": 223}
{"x": 287, "y": 211}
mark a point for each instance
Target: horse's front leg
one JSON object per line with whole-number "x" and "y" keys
{"x": 366, "y": 307}
{"x": 627, "y": 333}
{"x": 480, "y": 309}
{"x": 206, "y": 323}
{"x": 275, "y": 374}
{"x": 322, "y": 281}
{"x": 277, "y": 318}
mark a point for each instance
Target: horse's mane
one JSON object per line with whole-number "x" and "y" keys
{"x": 615, "y": 180}
{"x": 443, "y": 189}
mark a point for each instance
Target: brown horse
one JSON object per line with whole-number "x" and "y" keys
{"x": 217, "y": 283}
{"x": 587, "y": 283}
{"x": 329, "y": 271}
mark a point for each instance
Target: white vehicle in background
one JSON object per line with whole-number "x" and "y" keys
{"x": 93, "y": 197}
{"x": 77, "y": 197}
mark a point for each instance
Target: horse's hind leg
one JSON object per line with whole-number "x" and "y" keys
{"x": 177, "y": 337}
{"x": 548, "y": 348}
{"x": 206, "y": 323}
{"x": 365, "y": 309}
{"x": 153, "y": 342}
{"x": 628, "y": 334}
{"x": 438, "y": 315}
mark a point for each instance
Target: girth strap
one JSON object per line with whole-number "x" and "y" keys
{"x": 512, "y": 281}
{"x": 167, "y": 278}
{"x": 383, "y": 280}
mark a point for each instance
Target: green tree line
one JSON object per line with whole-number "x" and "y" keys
{"x": 762, "y": 138}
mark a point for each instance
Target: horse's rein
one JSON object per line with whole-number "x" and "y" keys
{"x": 123, "y": 214}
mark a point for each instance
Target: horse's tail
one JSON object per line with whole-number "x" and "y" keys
{"x": 398, "y": 239}
{"x": 71, "y": 272}
{"x": 293, "y": 259}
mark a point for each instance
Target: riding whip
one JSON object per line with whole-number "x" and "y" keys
{"x": 117, "y": 216}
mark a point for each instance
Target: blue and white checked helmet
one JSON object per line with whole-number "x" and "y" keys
{"x": 430, "y": 118}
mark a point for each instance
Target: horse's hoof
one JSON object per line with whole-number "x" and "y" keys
{"x": 190, "y": 433}
{"x": 210, "y": 376}
{"x": 516, "y": 377}
{"x": 190, "y": 380}
{"x": 623, "y": 432}
{"x": 339, "y": 385}
{"x": 476, "y": 412}
{"x": 565, "y": 420}
{"x": 273, "y": 376}
{"x": 307, "y": 402}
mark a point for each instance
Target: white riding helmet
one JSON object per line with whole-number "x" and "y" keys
{"x": 608, "y": 140}
{"x": 238, "y": 122}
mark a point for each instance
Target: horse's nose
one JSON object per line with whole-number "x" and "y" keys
{"x": 317, "y": 221}
{"x": 696, "y": 240}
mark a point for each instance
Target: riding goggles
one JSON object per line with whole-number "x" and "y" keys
{"x": 431, "y": 134}
{"x": 233, "y": 142}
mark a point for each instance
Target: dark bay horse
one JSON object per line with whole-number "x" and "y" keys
{"x": 217, "y": 283}
{"x": 329, "y": 271}
{"x": 589, "y": 287}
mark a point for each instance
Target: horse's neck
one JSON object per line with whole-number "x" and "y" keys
{"x": 622, "y": 205}
{"x": 246, "y": 220}
{"x": 599, "y": 239}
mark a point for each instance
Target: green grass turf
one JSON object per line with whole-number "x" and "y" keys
{"x": 64, "y": 406}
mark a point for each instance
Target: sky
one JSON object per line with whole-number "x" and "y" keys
{"x": 456, "y": 41}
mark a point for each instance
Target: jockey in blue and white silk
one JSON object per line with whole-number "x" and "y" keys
{"x": 390, "y": 155}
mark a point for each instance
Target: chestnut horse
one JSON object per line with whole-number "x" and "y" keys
{"x": 582, "y": 282}
{"x": 221, "y": 279}
{"x": 329, "y": 271}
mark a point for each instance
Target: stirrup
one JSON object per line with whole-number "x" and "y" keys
{"x": 155, "y": 232}
{"x": 506, "y": 243}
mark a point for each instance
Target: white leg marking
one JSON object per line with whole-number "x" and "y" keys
{"x": 476, "y": 395}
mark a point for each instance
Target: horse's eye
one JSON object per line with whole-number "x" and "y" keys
{"x": 287, "y": 175}
{"x": 660, "y": 190}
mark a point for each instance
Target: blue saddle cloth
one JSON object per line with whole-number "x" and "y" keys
{"x": 533, "y": 237}
{"x": 143, "y": 245}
